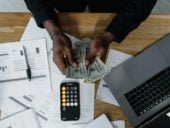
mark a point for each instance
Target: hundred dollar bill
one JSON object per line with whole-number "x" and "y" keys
{"x": 81, "y": 49}
{"x": 79, "y": 72}
{"x": 79, "y": 55}
{"x": 96, "y": 71}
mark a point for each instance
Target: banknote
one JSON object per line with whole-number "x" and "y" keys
{"x": 96, "y": 71}
{"x": 79, "y": 72}
{"x": 82, "y": 47}
{"x": 93, "y": 72}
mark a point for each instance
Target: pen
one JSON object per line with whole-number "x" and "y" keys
{"x": 28, "y": 70}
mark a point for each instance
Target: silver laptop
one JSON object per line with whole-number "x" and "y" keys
{"x": 141, "y": 86}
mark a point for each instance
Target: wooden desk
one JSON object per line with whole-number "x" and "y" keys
{"x": 81, "y": 25}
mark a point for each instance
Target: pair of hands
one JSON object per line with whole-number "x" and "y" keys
{"x": 62, "y": 50}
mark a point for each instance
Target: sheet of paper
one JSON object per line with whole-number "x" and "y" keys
{"x": 168, "y": 114}
{"x": 43, "y": 104}
{"x": 118, "y": 123}
{"x": 114, "y": 58}
{"x": 12, "y": 62}
{"x": 14, "y": 80}
{"x": 100, "y": 122}
{"x": 24, "y": 119}
{"x": 104, "y": 94}
{"x": 6, "y": 109}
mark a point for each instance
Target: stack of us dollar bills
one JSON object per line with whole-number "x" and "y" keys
{"x": 91, "y": 73}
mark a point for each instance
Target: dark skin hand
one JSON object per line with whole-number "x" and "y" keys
{"x": 62, "y": 52}
{"x": 99, "y": 47}
{"x": 62, "y": 46}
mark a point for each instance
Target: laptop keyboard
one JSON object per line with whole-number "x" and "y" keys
{"x": 151, "y": 93}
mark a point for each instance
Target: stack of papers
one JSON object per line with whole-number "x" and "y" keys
{"x": 14, "y": 80}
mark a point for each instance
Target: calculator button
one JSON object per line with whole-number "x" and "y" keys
{"x": 63, "y": 96}
{"x": 63, "y": 92}
{"x": 63, "y": 100}
{"x": 63, "y": 104}
{"x": 68, "y": 104}
{"x": 63, "y": 88}
{"x": 75, "y": 104}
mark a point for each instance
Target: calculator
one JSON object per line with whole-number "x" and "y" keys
{"x": 70, "y": 100}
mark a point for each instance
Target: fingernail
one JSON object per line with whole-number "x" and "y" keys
{"x": 74, "y": 64}
{"x": 86, "y": 62}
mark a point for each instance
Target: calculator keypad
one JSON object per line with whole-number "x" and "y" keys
{"x": 70, "y": 104}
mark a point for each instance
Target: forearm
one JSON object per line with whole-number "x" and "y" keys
{"x": 41, "y": 11}
{"x": 52, "y": 26}
{"x": 130, "y": 18}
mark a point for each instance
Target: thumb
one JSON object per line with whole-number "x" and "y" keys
{"x": 69, "y": 57}
{"x": 90, "y": 57}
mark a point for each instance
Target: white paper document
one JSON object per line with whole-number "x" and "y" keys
{"x": 168, "y": 114}
{"x": 23, "y": 119}
{"x": 118, "y": 123}
{"x": 114, "y": 58}
{"x": 100, "y": 122}
{"x": 14, "y": 79}
{"x": 43, "y": 104}
{"x": 6, "y": 109}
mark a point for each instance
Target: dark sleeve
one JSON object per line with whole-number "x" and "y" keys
{"x": 130, "y": 17}
{"x": 41, "y": 11}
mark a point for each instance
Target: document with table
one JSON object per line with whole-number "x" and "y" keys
{"x": 13, "y": 68}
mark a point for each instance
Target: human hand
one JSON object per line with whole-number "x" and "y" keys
{"x": 98, "y": 47}
{"x": 62, "y": 52}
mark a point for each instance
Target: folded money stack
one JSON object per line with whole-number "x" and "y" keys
{"x": 93, "y": 72}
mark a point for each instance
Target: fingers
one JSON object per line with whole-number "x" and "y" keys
{"x": 59, "y": 60}
{"x": 62, "y": 49}
{"x": 69, "y": 57}
{"x": 90, "y": 57}
{"x": 62, "y": 60}
{"x": 97, "y": 49}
